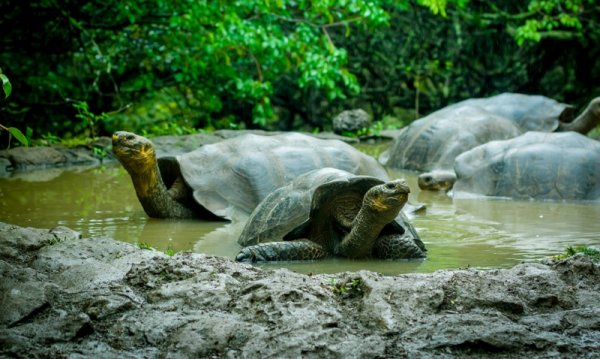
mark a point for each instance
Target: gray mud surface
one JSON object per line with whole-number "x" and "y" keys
{"x": 66, "y": 296}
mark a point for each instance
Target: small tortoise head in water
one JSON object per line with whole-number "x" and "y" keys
{"x": 439, "y": 180}
{"x": 387, "y": 199}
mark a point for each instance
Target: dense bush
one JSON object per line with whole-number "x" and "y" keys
{"x": 82, "y": 68}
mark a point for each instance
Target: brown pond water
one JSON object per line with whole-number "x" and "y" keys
{"x": 458, "y": 233}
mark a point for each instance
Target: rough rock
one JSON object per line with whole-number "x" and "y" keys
{"x": 35, "y": 158}
{"x": 5, "y": 166}
{"x": 351, "y": 121}
{"x": 66, "y": 296}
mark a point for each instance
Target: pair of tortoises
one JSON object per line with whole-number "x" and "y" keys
{"x": 484, "y": 144}
{"x": 232, "y": 176}
{"x": 330, "y": 212}
{"x": 352, "y": 212}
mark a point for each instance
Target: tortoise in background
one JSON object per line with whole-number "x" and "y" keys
{"x": 329, "y": 212}
{"x": 432, "y": 143}
{"x": 232, "y": 176}
{"x": 535, "y": 165}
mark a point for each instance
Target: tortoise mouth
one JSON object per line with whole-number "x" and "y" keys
{"x": 389, "y": 195}
{"x": 400, "y": 198}
{"x": 395, "y": 193}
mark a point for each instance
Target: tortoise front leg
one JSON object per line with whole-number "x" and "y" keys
{"x": 397, "y": 246}
{"x": 302, "y": 249}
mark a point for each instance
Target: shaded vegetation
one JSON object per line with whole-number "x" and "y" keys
{"x": 87, "y": 68}
{"x": 588, "y": 251}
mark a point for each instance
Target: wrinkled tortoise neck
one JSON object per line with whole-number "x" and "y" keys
{"x": 152, "y": 191}
{"x": 586, "y": 121}
{"x": 366, "y": 228}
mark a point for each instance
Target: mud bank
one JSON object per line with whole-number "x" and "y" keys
{"x": 66, "y": 296}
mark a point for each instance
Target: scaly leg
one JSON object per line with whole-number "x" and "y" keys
{"x": 302, "y": 249}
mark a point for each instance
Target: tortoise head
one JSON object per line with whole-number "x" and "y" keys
{"x": 387, "y": 199}
{"x": 135, "y": 152}
{"x": 437, "y": 180}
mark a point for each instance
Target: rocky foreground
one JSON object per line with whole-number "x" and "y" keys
{"x": 64, "y": 296}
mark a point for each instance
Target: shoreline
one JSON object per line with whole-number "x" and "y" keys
{"x": 64, "y": 295}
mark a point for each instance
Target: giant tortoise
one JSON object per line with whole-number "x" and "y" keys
{"x": 535, "y": 165}
{"x": 231, "y": 176}
{"x": 330, "y": 212}
{"x": 432, "y": 143}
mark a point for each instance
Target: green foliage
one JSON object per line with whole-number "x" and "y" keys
{"x": 49, "y": 139}
{"x": 560, "y": 19}
{"x": 168, "y": 128}
{"x": 389, "y": 122}
{"x": 167, "y": 67}
{"x": 351, "y": 288}
{"x": 6, "y": 86}
{"x": 170, "y": 251}
{"x": 257, "y": 42}
{"x": 436, "y": 6}
{"x": 88, "y": 119}
{"x": 168, "y": 111}
{"x": 374, "y": 130}
{"x": 223, "y": 58}
{"x": 588, "y": 251}
{"x": 595, "y": 133}
{"x": 16, "y": 133}
{"x": 360, "y": 133}
{"x": 236, "y": 50}
{"x": 99, "y": 152}
{"x": 12, "y": 131}
{"x": 144, "y": 245}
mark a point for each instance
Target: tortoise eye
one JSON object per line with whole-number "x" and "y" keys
{"x": 390, "y": 185}
{"x": 129, "y": 137}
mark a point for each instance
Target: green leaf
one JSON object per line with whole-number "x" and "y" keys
{"x": 435, "y": 6}
{"x": 18, "y": 135}
{"x": 6, "y": 86}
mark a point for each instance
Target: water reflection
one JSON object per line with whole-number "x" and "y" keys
{"x": 459, "y": 233}
{"x": 222, "y": 241}
{"x": 180, "y": 235}
{"x": 96, "y": 202}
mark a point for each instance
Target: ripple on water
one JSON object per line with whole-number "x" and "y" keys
{"x": 458, "y": 233}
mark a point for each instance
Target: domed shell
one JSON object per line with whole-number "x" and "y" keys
{"x": 535, "y": 165}
{"x": 434, "y": 141}
{"x": 236, "y": 174}
{"x": 286, "y": 211}
{"x": 528, "y": 112}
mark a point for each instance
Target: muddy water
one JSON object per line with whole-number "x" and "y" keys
{"x": 458, "y": 233}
